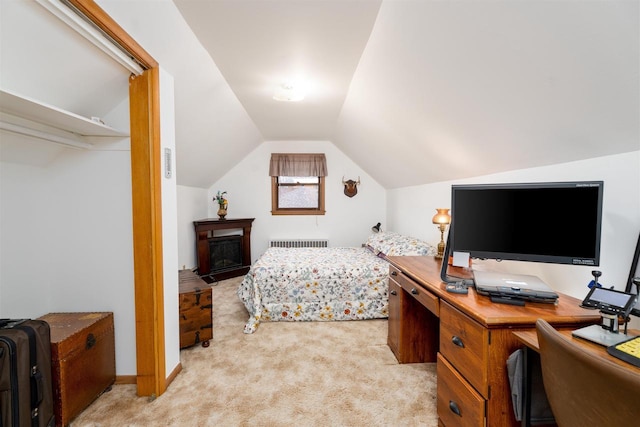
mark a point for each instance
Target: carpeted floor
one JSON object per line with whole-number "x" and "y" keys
{"x": 302, "y": 373}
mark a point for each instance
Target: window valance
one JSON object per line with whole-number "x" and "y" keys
{"x": 298, "y": 164}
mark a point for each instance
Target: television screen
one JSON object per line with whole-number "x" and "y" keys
{"x": 542, "y": 222}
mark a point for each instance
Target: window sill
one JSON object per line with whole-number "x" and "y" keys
{"x": 298, "y": 212}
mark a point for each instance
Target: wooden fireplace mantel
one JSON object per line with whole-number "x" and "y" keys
{"x": 205, "y": 229}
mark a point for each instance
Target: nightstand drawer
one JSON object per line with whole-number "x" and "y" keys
{"x": 458, "y": 403}
{"x": 430, "y": 301}
{"x": 464, "y": 343}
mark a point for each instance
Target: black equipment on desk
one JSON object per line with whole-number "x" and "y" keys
{"x": 633, "y": 282}
{"x": 610, "y": 301}
{"x": 612, "y": 304}
{"x": 628, "y": 350}
{"x": 502, "y": 221}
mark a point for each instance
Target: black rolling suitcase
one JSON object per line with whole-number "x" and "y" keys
{"x": 26, "y": 396}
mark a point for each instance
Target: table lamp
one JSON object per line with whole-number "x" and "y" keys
{"x": 441, "y": 219}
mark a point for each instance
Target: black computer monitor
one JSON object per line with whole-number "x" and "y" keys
{"x": 553, "y": 222}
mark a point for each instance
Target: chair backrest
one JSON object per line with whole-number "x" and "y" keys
{"x": 583, "y": 388}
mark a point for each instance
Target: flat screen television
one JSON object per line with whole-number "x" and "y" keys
{"x": 553, "y": 222}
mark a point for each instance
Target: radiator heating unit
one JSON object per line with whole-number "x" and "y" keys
{"x": 298, "y": 243}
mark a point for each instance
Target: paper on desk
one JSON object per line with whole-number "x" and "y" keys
{"x": 461, "y": 259}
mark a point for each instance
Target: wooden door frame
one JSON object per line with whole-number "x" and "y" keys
{"x": 144, "y": 96}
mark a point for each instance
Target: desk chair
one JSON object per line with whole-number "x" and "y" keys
{"x": 584, "y": 389}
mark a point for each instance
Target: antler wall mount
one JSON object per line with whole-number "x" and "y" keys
{"x": 350, "y": 187}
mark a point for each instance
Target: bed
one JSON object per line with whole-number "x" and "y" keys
{"x": 324, "y": 284}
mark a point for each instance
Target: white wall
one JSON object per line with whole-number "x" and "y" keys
{"x": 192, "y": 205}
{"x": 169, "y": 224}
{"x": 347, "y": 221}
{"x": 66, "y": 234}
{"x": 411, "y": 208}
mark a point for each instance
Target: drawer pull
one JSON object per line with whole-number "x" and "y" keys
{"x": 394, "y": 273}
{"x": 414, "y": 291}
{"x": 394, "y": 293}
{"x": 457, "y": 341}
{"x": 454, "y": 408}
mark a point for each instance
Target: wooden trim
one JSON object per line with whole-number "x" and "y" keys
{"x": 147, "y": 231}
{"x": 100, "y": 18}
{"x": 275, "y": 210}
{"x": 125, "y": 379}
{"x": 172, "y": 376}
{"x": 147, "y": 209}
{"x": 274, "y": 195}
{"x": 133, "y": 379}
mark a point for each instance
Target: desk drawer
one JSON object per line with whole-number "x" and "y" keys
{"x": 465, "y": 344}
{"x": 426, "y": 298}
{"x": 458, "y": 403}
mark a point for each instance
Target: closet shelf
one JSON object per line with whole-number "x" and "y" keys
{"x": 26, "y": 116}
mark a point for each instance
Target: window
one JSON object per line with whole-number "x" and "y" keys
{"x": 297, "y": 184}
{"x": 297, "y": 195}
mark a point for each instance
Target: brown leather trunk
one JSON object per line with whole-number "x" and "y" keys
{"x": 195, "y": 310}
{"x": 83, "y": 362}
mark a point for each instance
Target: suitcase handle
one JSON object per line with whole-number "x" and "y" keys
{"x": 11, "y": 323}
{"x": 36, "y": 378}
{"x": 37, "y": 382}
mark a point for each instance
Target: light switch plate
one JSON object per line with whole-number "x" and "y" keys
{"x": 167, "y": 163}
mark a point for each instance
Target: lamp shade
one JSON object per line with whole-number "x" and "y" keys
{"x": 376, "y": 228}
{"x": 442, "y": 217}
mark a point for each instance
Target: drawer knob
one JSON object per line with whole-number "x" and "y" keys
{"x": 394, "y": 273}
{"x": 454, "y": 408}
{"x": 457, "y": 341}
{"x": 414, "y": 291}
{"x": 394, "y": 293}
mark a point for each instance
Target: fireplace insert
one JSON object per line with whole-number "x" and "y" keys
{"x": 226, "y": 253}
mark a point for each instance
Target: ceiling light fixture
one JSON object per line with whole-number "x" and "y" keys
{"x": 288, "y": 93}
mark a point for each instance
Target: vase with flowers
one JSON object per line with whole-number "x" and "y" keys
{"x": 222, "y": 202}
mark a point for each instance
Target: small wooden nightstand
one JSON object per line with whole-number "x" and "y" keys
{"x": 195, "y": 310}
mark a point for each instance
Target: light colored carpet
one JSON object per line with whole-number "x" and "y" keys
{"x": 301, "y": 373}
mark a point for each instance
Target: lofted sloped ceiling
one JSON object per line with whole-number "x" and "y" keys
{"x": 261, "y": 45}
{"x": 442, "y": 90}
{"x": 413, "y": 91}
{"x": 448, "y": 90}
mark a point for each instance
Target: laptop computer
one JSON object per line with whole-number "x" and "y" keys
{"x": 515, "y": 286}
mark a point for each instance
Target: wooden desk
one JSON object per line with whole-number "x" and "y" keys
{"x": 530, "y": 339}
{"x": 474, "y": 338}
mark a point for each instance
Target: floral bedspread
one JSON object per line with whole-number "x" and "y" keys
{"x": 322, "y": 284}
